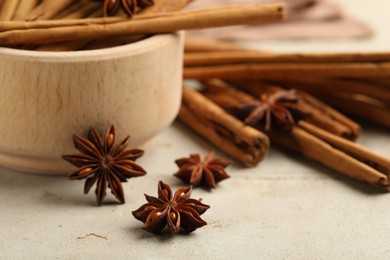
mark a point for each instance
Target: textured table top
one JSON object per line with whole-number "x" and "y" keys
{"x": 287, "y": 207}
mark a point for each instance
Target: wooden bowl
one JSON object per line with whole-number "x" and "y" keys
{"x": 46, "y": 97}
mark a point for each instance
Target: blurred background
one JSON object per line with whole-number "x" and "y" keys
{"x": 312, "y": 25}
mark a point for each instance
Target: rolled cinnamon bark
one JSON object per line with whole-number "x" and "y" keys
{"x": 364, "y": 107}
{"x": 243, "y": 143}
{"x": 288, "y": 70}
{"x": 73, "y": 45}
{"x": 72, "y": 19}
{"x": 332, "y": 85}
{"x": 199, "y": 19}
{"x": 374, "y": 160}
{"x": 321, "y": 151}
{"x": 247, "y": 57}
{"x": 41, "y": 24}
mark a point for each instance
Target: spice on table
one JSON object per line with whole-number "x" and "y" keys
{"x": 280, "y": 107}
{"x": 308, "y": 108}
{"x": 104, "y": 162}
{"x": 178, "y": 213}
{"x": 111, "y": 7}
{"x": 208, "y": 172}
{"x": 312, "y": 140}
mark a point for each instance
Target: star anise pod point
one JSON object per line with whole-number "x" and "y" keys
{"x": 280, "y": 107}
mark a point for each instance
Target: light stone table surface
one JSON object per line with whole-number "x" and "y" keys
{"x": 286, "y": 208}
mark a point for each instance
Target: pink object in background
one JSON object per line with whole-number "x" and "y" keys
{"x": 306, "y": 19}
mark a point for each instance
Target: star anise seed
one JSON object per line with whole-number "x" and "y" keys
{"x": 208, "y": 172}
{"x": 281, "y": 107}
{"x": 105, "y": 163}
{"x": 178, "y": 213}
{"x": 111, "y": 7}
{"x": 145, "y": 3}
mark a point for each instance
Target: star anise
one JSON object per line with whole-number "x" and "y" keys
{"x": 281, "y": 107}
{"x": 111, "y": 7}
{"x": 105, "y": 163}
{"x": 145, "y": 3}
{"x": 178, "y": 213}
{"x": 208, "y": 172}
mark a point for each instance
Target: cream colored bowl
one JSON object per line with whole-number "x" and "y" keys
{"x": 46, "y": 97}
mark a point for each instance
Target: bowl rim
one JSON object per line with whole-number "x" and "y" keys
{"x": 141, "y": 46}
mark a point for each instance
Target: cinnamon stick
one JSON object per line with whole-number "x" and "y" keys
{"x": 243, "y": 143}
{"x": 374, "y": 160}
{"x": 41, "y": 24}
{"x": 352, "y": 86}
{"x": 69, "y": 46}
{"x": 71, "y": 19}
{"x": 215, "y": 17}
{"x": 364, "y": 107}
{"x": 8, "y": 9}
{"x": 321, "y": 151}
{"x": 245, "y": 57}
{"x": 288, "y": 71}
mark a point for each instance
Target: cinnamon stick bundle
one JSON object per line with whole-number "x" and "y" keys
{"x": 355, "y": 83}
{"x": 319, "y": 145}
{"x": 337, "y": 85}
{"x": 248, "y": 57}
{"x": 243, "y": 143}
{"x": 320, "y": 114}
{"x": 198, "y": 19}
{"x": 161, "y": 8}
{"x": 365, "y": 107}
